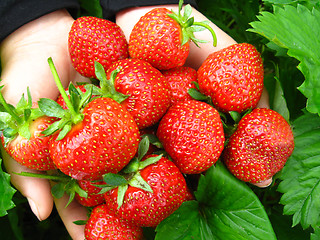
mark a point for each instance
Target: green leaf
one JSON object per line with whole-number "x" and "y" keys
{"x": 316, "y": 234}
{"x": 300, "y": 176}
{"x": 225, "y": 209}
{"x": 74, "y": 97}
{"x": 6, "y": 192}
{"x": 143, "y": 147}
{"x": 51, "y": 108}
{"x": 296, "y": 29}
{"x": 7, "y": 119}
{"x": 91, "y": 8}
{"x": 64, "y": 131}
{"x": 184, "y": 223}
{"x": 121, "y": 193}
{"x": 58, "y": 190}
{"x": 113, "y": 179}
{"x": 24, "y": 130}
{"x": 194, "y": 93}
{"x": 279, "y": 102}
{"x": 149, "y": 161}
{"x": 138, "y": 182}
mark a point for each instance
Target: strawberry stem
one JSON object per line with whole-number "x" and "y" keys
{"x": 187, "y": 25}
{"x": 214, "y": 36}
{"x": 76, "y": 117}
{"x": 59, "y": 178}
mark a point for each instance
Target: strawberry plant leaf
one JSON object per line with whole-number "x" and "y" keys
{"x": 300, "y": 176}
{"x": 6, "y": 192}
{"x": 51, "y": 108}
{"x": 225, "y": 209}
{"x": 121, "y": 192}
{"x": 114, "y": 180}
{"x": 316, "y": 234}
{"x": 302, "y": 25}
{"x": 182, "y": 224}
{"x": 143, "y": 147}
{"x": 138, "y": 182}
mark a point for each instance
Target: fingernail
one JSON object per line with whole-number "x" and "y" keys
{"x": 34, "y": 208}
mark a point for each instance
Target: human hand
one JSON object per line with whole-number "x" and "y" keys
{"x": 24, "y": 56}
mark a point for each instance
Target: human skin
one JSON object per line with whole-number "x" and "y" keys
{"x": 24, "y": 55}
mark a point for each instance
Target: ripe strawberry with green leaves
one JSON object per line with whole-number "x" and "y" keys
{"x": 94, "y": 39}
{"x": 191, "y": 132}
{"x": 147, "y": 90}
{"x": 166, "y": 192}
{"x": 161, "y": 37}
{"x": 92, "y": 137}
{"x": 233, "y": 77}
{"x": 260, "y": 146}
{"x": 148, "y": 190}
{"x": 104, "y": 225}
{"x": 180, "y": 80}
{"x": 21, "y": 128}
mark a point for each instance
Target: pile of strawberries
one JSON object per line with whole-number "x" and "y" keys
{"x": 130, "y": 139}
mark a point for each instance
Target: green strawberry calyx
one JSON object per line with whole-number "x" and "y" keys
{"x": 189, "y": 26}
{"x": 130, "y": 175}
{"x": 107, "y": 87}
{"x": 70, "y": 116}
{"x": 16, "y": 120}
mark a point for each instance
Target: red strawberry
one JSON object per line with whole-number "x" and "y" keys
{"x": 21, "y": 128}
{"x": 161, "y": 37}
{"x": 94, "y": 39}
{"x": 192, "y": 134}
{"x": 260, "y": 146}
{"x": 93, "y": 198}
{"x": 91, "y": 138}
{"x": 180, "y": 80}
{"x": 233, "y": 77}
{"x": 103, "y": 225}
{"x": 104, "y": 141}
{"x": 149, "y": 208}
{"x": 148, "y": 93}
{"x": 32, "y": 152}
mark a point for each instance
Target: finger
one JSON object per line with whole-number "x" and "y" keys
{"x": 264, "y": 184}
{"x": 73, "y": 212}
{"x": 264, "y": 100}
{"x": 36, "y": 190}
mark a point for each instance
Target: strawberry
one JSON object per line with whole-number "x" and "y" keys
{"x": 180, "y": 79}
{"x": 94, "y": 39}
{"x": 91, "y": 138}
{"x": 93, "y": 197}
{"x": 233, "y": 77}
{"x": 148, "y": 93}
{"x": 104, "y": 141}
{"x": 161, "y": 37}
{"x": 103, "y": 225}
{"x": 192, "y": 134}
{"x": 260, "y": 146}
{"x": 147, "y": 190}
{"x": 21, "y": 128}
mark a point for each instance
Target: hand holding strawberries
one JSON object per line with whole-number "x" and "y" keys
{"x": 24, "y": 56}
{"x": 121, "y": 129}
